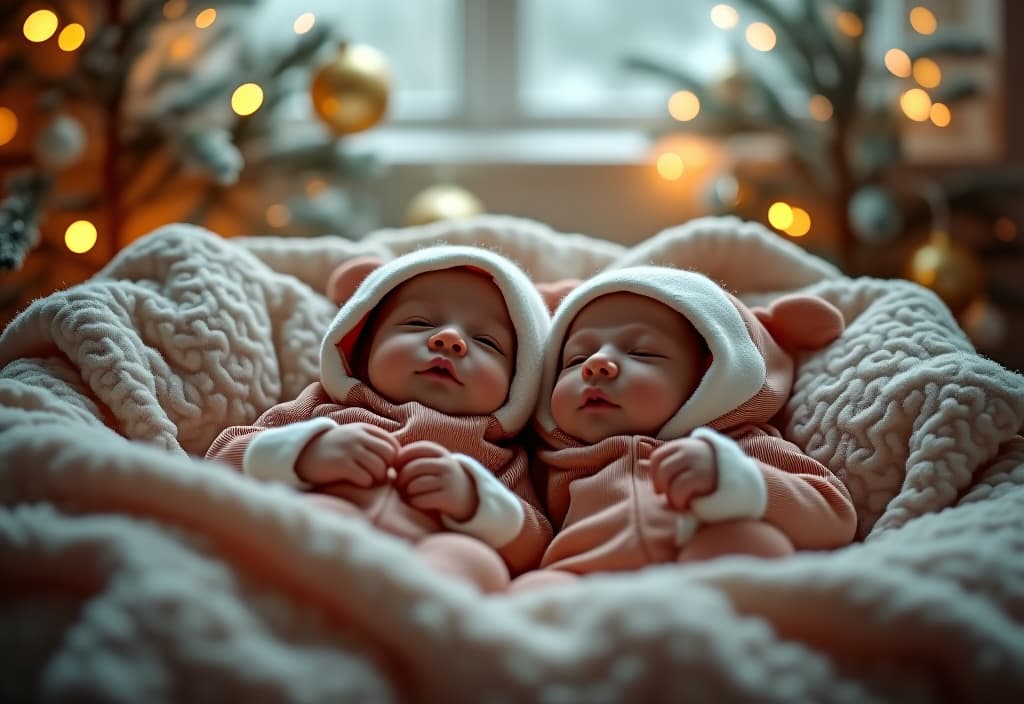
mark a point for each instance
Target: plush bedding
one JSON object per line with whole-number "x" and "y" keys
{"x": 132, "y": 570}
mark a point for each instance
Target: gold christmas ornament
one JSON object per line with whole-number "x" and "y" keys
{"x": 442, "y": 202}
{"x": 350, "y": 92}
{"x": 949, "y": 269}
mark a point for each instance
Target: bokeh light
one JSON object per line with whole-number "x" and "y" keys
{"x": 927, "y": 73}
{"x": 801, "y": 224}
{"x": 760, "y": 36}
{"x": 206, "y": 18}
{"x": 923, "y": 20}
{"x": 940, "y": 115}
{"x": 898, "y": 63}
{"x": 820, "y": 108}
{"x": 316, "y": 187}
{"x": 40, "y": 25}
{"x": 247, "y": 99}
{"x": 278, "y": 215}
{"x": 684, "y": 105}
{"x": 916, "y": 104}
{"x": 182, "y": 47}
{"x": 670, "y": 166}
{"x": 80, "y": 236}
{"x": 304, "y": 22}
{"x": 173, "y": 9}
{"x": 724, "y": 16}
{"x": 850, "y": 24}
{"x": 780, "y": 215}
{"x": 71, "y": 37}
{"x": 8, "y": 125}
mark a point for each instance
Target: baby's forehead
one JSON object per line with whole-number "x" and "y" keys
{"x": 623, "y": 309}
{"x": 460, "y": 287}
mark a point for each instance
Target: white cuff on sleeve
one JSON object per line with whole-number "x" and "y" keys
{"x": 499, "y": 515}
{"x": 271, "y": 455}
{"x": 686, "y": 525}
{"x": 741, "y": 491}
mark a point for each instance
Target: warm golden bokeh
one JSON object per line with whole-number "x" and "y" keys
{"x": 684, "y": 105}
{"x": 923, "y": 20}
{"x": 40, "y": 26}
{"x": 206, "y": 18}
{"x": 801, "y": 224}
{"x": 247, "y": 99}
{"x": 71, "y": 37}
{"x": 8, "y": 125}
{"x": 927, "y": 73}
{"x": 304, "y": 22}
{"x": 724, "y": 16}
{"x": 780, "y": 215}
{"x": 820, "y": 108}
{"x": 916, "y": 104}
{"x": 80, "y": 236}
{"x": 670, "y": 166}
{"x": 760, "y": 36}
{"x": 940, "y": 115}
{"x": 849, "y": 24}
{"x": 898, "y": 63}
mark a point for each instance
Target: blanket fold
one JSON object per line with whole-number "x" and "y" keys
{"x": 134, "y": 571}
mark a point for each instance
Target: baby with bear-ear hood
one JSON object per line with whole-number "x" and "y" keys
{"x": 428, "y": 373}
{"x": 656, "y": 394}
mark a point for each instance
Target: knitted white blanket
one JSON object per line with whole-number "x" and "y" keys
{"x": 133, "y": 571}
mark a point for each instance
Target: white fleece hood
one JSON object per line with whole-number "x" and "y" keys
{"x": 525, "y": 307}
{"x": 737, "y": 371}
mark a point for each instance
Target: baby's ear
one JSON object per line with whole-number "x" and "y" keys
{"x": 800, "y": 321}
{"x": 554, "y": 291}
{"x": 345, "y": 279}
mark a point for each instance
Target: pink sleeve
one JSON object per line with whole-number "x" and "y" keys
{"x": 809, "y": 503}
{"x": 233, "y": 444}
{"x": 524, "y": 552}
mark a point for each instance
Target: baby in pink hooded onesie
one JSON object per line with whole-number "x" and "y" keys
{"x": 427, "y": 375}
{"x": 657, "y": 390}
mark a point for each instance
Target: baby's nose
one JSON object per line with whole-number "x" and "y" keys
{"x": 448, "y": 340}
{"x": 600, "y": 366}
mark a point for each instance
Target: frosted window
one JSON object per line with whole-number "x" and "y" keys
{"x": 572, "y": 53}
{"x": 419, "y": 37}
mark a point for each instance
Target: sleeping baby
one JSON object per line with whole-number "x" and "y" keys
{"x": 657, "y": 390}
{"x": 427, "y": 375}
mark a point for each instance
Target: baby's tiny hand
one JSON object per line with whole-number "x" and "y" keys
{"x": 357, "y": 453}
{"x": 683, "y": 470}
{"x": 431, "y": 479}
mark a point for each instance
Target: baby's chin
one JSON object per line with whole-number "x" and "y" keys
{"x": 591, "y": 433}
{"x": 450, "y": 405}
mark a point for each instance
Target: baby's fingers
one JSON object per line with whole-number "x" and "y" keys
{"x": 664, "y": 468}
{"x": 421, "y": 449}
{"x": 415, "y": 469}
{"x": 687, "y": 486}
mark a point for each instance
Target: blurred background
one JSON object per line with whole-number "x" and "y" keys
{"x": 878, "y": 134}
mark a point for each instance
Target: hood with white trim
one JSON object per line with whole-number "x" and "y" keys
{"x": 525, "y": 306}
{"x": 751, "y": 372}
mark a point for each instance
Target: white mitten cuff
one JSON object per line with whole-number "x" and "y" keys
{"x": 272, "y": 454}
{"x": 499, "y": 515}
{"x": 741, "y": 491}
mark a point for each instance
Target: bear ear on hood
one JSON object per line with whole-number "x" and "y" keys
{"x": 800, "y": 321}
{"x": 345, "y": 279}
{"x": 554, "y": 291}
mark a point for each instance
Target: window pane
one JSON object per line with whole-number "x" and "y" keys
{"x": 420, "y": 38}
{"x": 573, "y": 51}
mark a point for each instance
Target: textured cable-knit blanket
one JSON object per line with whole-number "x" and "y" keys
{"x": 131, "y": 570}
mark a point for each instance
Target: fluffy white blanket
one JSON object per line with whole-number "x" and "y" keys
{"x": 131, "y": 570}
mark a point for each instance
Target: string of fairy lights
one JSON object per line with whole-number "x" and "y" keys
{"x": 44, "y": 25}
{"x": 914, "y": 102}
